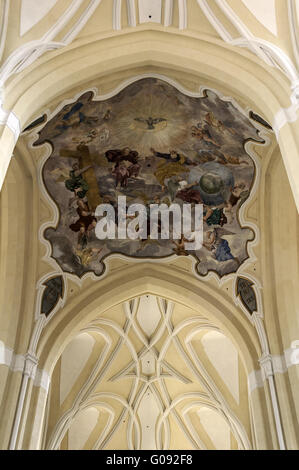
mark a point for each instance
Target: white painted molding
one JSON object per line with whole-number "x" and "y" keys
{"x": 271, "y": 54}
{"x": 279, "y": 365}
{"x": 29, "y": 52}
{"x": 272, "y": 365}
{"x": 243, "y": 30}
{"x": 30, "y": 366}
{"x": 276, "y": 411}
{"x": 79, "y": 25}
{"x": 37, "y": 330}
{"x": 214, "y": 21}
{"x": 168, "y": 13}
{"x": 144, "y": 380}
{"x": 63, "y": 20}
{"x": 292, "y": 354}
{"x": 50, "y": 35}
{"x": 131, "y": 13}
{"x": 20, "y": 55}
{"x": 6, "y": 354}
{"x": 280, "y": 59}
{"x": 9, "y": 119}
{"x": 262, "y": 335}
{"x": 117, "y": 14}
{"x": 283, "y": 116}
{"x": 214, "y": 393}
{"x": 183, "y": 14}
{"x": 268, "y": 365}
{"x": 149, "y": 335}
{"x": 27, "y": 364}
{"x": 58, "y": 27}
{"x": 29, "y": 372}
{"x": 15, "y": 362}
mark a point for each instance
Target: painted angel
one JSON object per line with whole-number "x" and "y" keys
{"x": 203, "y": 133}
{"x": 212, "y": 121}
{"x": 217, "y": 245}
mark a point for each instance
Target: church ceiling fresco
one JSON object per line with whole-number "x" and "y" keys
{"x": 152, "y": 144}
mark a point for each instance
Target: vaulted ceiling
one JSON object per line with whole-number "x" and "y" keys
{"x": 149, "y": 374}
{"x": 147, "y": 352}
{"x": 269, "y": 29}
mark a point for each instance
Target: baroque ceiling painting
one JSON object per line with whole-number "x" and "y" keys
{"x": 152, "y": 144}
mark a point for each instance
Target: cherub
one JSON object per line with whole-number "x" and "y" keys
{"x": 217, "y": 124}
{"x": 203, "y": 133}
{"x": 104, "y": 135}
{"x": 134, "y": 170}
{"x": 215, "y": 215}
{"x": 85, "y": 140}
{"x": 218, "y": 246}
{"x": 107, "y": 115}
{"x": 60, "y": 174}
{"x": 189, "y": 192}
{"x": 235, "y": 160}
{"x": 76, "y": 183}
{"x": 238, "y": 192}
{"x": 72, "y": 117}
{"x": 121, "y": 174}
{"x": 173, "y": 186}
{"x": 87, "y": 255}
{"x": 85, "y": 224}
{"x": 172, "y": 164}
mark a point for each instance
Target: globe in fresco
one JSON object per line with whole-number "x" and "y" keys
{"x": 211, "y": 183}
{"x": 215, "y": 182}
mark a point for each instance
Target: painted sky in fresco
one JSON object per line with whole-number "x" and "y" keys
{"x": 152, "y": 144}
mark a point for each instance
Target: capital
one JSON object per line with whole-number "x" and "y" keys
{"x": 266, "y": 363}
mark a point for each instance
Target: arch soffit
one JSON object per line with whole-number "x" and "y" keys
{"x": 61, "y": 71}
{"x": 243, "y": 76}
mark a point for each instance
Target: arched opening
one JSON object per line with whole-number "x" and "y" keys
{"x": 201, "y": 328}
{"x": 149, "y": 373}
